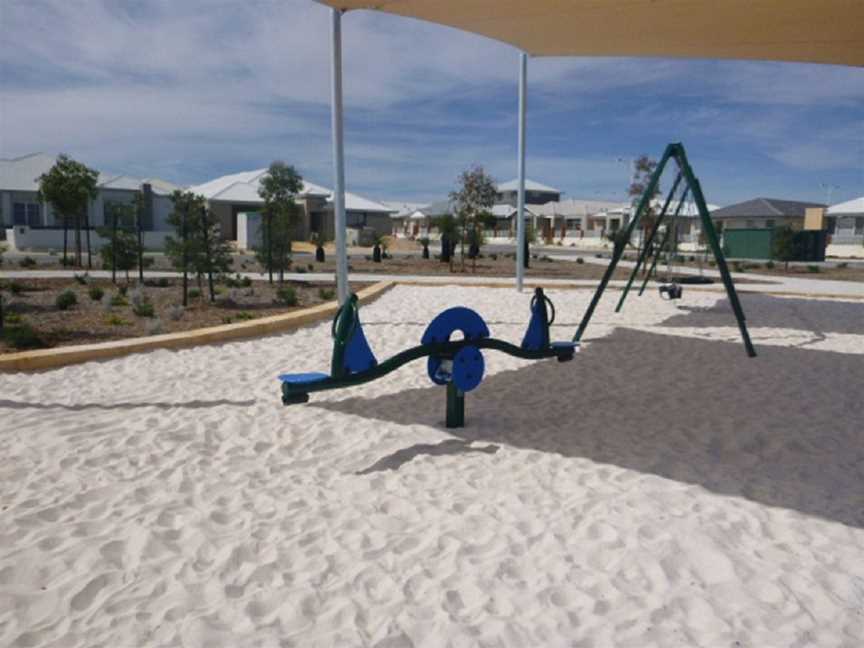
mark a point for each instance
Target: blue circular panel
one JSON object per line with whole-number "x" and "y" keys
{"x": 468, "y": 367}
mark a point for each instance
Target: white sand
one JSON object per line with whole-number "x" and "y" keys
{"x": 660, "y": 490}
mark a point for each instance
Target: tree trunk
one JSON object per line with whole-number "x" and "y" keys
{"x": 89, "y": 251}
{"x": 140, "y": 246}
{"x": 208, "y": 257}
{"x": 185, "y": 261}
{"x": 78, "y": 257}
{"x": 114, "y": 249}
{"x": 270, "y": 247}
{"x": 65, "y": 239}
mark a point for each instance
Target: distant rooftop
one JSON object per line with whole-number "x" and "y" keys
{"x": 760, "y": 207}
{"x": 855, "y": 206}
{"x": 530, "y": 185}
{"x": 22, "y": 174}
{"x": 243, "y": 188}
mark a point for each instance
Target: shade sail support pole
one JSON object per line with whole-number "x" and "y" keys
{"x": 337, "y": 128}
{"x": 520, "y": 209}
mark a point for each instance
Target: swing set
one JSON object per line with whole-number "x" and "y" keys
{"x": 458, "y": 364}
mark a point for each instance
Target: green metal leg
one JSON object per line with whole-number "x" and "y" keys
{"x": 455, "y": 406}
{"x": 654, "y": 262}
{"x": 648, "y": 243}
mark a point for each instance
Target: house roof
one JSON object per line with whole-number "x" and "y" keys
{"x": 761, "y": 207}
{"x": 243, "y": 188}
{"x": 401, "y": 209}
{"x": 22, "y": 174}
{"x": 577, "y": 207}
{"x": 855, "y": 206}
{"x": 530, "y": 185}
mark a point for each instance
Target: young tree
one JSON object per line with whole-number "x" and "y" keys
{"x": 185, "y": 249}
{"x": 643, "y": 170}
{"x": 448, "y": 228}
{"x": 215, "y": 253}
{"x": 783, "y": 244}
{"x": 278, "y": 189}
{"x": 120, "y": 253}
{"x": 69, "y": 186}
{"x": 473, "y": 198}
{"x": 120, "y": 217}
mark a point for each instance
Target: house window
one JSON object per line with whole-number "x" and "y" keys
{"x": 769, "y": 223}
{"x": 859, "y": 225}
{"x": 26, "y": 214}
{"x": 355, "y": 219}
{"x": 574, "y": 223}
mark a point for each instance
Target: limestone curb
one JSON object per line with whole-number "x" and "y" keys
{"x": 62, "y": 356}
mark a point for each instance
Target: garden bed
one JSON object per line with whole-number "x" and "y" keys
{"x": 102, "y": 312}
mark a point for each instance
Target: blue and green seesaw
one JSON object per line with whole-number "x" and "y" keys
{"x": 456, "y": 364}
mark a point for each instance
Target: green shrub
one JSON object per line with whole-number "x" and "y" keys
{"x": 769, "y": 265}
{"x": 310, "y": 267}
{"x": 493, "y": 256}
{"x": 22, "y": 336}
{"x": 81, "y": 279}
{"x": 160, "y": 282}
{"x": 580, "y": 260}
{"x": 144, "y": 309}
{"x": 326, "y": 293}
{"x": 301, "y": 270}
{"x": 123, "y": 290}
{"x": 12, "y": 319}
{"x": 116, "y": 320}
{"x": 813, "y": 268}
{"x": 95, "y": 293}
{"x": 16, "y": 288}
{"x": 119, "y": 300}
{"x": 287, "y": 295}
{"x": 66, "y": 300}
{"x": 842, "y": 265}
{"x": 27, "y": 262}
{"x": 194, "y": 293}
{"x": 244, "y": 316}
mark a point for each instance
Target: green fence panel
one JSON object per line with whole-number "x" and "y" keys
{"x": 747, "y": 243}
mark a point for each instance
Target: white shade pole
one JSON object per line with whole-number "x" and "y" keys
{"x": 520, "y": 210}
{"x": 338, "y": 156}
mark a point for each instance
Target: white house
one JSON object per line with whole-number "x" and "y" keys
{"x": 846, "y": 228}
{"x": 29, "y": 224}
{"x": 231, "y": 195}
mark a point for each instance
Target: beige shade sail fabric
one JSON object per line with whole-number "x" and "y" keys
{"x": 814, "y": 31}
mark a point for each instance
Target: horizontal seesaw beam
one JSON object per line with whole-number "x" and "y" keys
{"x": 443, "y": 349}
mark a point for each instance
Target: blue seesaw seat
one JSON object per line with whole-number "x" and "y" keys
{"x": 457, "y": 364}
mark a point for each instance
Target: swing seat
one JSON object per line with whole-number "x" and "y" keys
{"x": 671, "y": 291}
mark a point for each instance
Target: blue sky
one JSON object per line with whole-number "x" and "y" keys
{"x": 192, "y": 90}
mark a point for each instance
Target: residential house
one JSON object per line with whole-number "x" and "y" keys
{"x": 30, "y": 224}
{"x": 846, "y": 228}
{"x": 762, "y": 213}
{"x": 232, "y": 195}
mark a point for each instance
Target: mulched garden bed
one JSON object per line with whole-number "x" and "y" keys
{"x": 32, "y": 303}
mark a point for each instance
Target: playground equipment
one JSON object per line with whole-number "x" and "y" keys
{"x": 677, "y": 153}
{"x": 457, "y": 365}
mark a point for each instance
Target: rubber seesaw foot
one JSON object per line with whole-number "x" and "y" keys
{"x": 294, "y": 399}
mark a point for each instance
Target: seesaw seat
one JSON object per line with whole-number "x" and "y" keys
{"x": 456, "y": 364}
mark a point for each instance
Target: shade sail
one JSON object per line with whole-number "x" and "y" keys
{"x": 815, "y": 31}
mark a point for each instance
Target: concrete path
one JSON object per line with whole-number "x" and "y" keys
{"x": 772, "y": 284}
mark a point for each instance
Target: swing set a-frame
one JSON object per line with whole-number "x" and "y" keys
{"x": 674, "y": 152}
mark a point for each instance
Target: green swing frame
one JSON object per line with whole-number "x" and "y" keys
{"x": 674, "y": 152}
